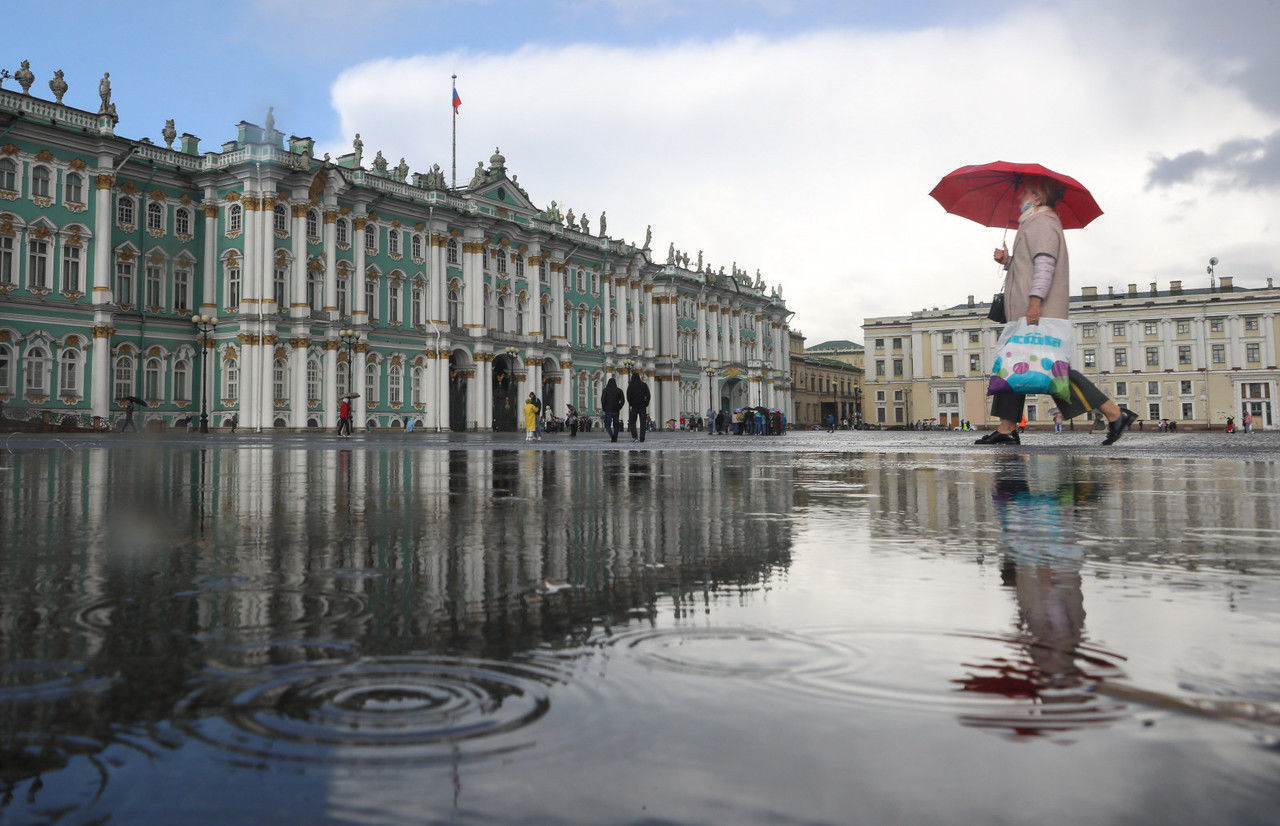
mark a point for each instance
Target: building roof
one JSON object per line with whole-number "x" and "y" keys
{"x": 836, "y": 346}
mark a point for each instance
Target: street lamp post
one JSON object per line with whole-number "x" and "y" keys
{"x": 205, "y": 325}
{"x": 349, "y": 340}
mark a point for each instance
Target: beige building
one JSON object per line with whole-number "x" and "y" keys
{"x": 826, "y": 382}
{"x": 1194, "y": 357}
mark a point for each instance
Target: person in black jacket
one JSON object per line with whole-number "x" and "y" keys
{"x": 637, "y": 405}
{"x": 611, "y": 405}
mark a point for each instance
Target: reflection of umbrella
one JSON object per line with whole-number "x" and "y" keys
{"x": 984, "y": 193}
{"x": 133, "y": 399}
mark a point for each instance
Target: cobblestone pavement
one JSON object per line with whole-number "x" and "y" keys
{"x": 1258, "y": 446}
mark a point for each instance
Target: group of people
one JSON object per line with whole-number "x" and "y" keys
{"x": 636, "y": 399}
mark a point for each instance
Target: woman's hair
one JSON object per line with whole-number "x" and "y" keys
{"x": 1050, "y": 190}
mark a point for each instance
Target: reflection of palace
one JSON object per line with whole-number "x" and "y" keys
{"x": 465, "y": 298}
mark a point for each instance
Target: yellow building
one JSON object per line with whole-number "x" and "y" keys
{"x": 1194, "y": 357}
{"x": 826, "y": 382}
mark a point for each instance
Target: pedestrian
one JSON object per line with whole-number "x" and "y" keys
{"x": 571, "y": 421}
{"x": 1057, "y": 421}
{"x": 637, "y": 406}
{"x": 611, "y": 401}
{"x": 831, "y": 423}
{"x": 1038, "y": 285}
{"x": 235, "y": 421}
{"x": 128, "y": 424}
{"x": 344, "y": 416}
{"x": 537, "y": 420}
{"x": 1231, "y": 424}
{"x": 530, "y": 419}
{"x": 1247, "y": 421}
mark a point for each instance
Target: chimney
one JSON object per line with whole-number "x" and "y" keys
{"x": 1154, "y": 290}
{"x": 1089, "y": 293}
{"x": 1133, "y": 290}
{"x": 1175, "y": 287}
{"x": 189, "y": 144}
{"x": 1269, "y": 285}
{"x": 1225, "y": 284}
{"x": 1111, "y": 292}
{"x": 971, "y": 297}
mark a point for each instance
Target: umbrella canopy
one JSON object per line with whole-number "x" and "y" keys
{"x": 984, "y": 193}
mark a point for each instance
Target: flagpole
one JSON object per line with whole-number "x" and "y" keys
{"x": 452, "y": 90}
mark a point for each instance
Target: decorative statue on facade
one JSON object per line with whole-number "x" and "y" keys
{"x": 380, "y": 164}
{"x": 169, "y": 133}
{"x": 699, "y": 267}
{"x": 358, "y": 146}
{"x": 478, "y": 178}
{"x": 552, "y": 213}
{"x": 568, "y": 219}
{"x": 435, "y": 178}
{"x": 648, "y": 236}
{"x": 271, "y": 119}
{"x": 402, "y": 171}
{"x": 684, "y": 260}
{"x": 515, "y": 181}
{"x": 586, "y": 225}
{"x": 104, "y": 92}
{"x": 671, "y": 253}
{"x": 759, "y": 280}
{"x": 26, "y": 77}
{"x": 58, "y": 86}
{"x": 602, "y": 223}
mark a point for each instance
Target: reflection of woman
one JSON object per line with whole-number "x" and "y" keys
{"x": 1038, "y": 285}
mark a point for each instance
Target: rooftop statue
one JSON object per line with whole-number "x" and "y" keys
{"x": 58, "y": 86}
{"x": 26, "y": 77}
{"x": 435, "y": 178}
{"x": 648, "y": 236}
{"x": 169, "y": 133}
{"x": 271, "y": 119}
{"x": 699, "y": 260}
{"x": 671, "y": 253}
{"x": 478, "y": 178}
{"x": 402, "y": 170}
{"x": 586, "y": 225}
{"x": 602, "y": 224}
{"x": 569, "y": 220}
{"x": 358, "y": 146}
{"x": 104, "y": 91}
{"x": 380, "y": 163}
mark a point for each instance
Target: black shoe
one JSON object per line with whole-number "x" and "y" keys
{"x": 1117, "y": 428}
{"x": 995, "y": 437}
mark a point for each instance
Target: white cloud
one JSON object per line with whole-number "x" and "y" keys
{"x": 811, "y": 157}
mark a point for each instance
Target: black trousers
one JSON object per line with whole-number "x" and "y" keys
{"x": 636, "y": 414}
{"x": 1084, "y": 396}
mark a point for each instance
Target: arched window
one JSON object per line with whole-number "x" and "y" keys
{"x": 235, "y": 216}
{"x": 280, "y": 219}
{"x": 416, "y": 385}
{"x": 8, "y": 269}
{"x": 343, "y": 232}
{"x": 393, "y": 303}
{"x": 155, "y": 217}
{"x": 151, "y": 387}
{"x": 69, "y": 373}
{"x": 455, "y": 308}
{"x": 313, "y": 380}
{"x": 344, "y": 375}
{"x": 371, "y": 238}
{"x": 8, "y": 175}
{"x": 280, "y": 287}
{"x": 6, "y": 368}
{"x": 124, "y": 210}
{"x": 522, "y": 306}
{"x": 500, "y": 314}
{"x": 37, "y": 371}
{"x": 123, "y": 377}
{"x": 371, "y": 299}
{"x": 181, "y": 380}
{"x": 501, "y": 258}
{"x": 231, "y": 380}
{"x": 280, "y": 380}
{"x": 313, "y": 224}
{"x": 343, "y": 285}
{"x": 582, "y": 391}
{"x": 417, "y": 247}
{"x": 582, "y": 327}
{"x": 73, "y": 190}
{"x": 182, "y": 221}
{"x": 395, "y": 384}
{"x": 596, "y": 334}
{"x": 315, "y": 293}
{"x": 233, "y": 287}
{"x": 181, "y": 289}
{"x": 452, "y": 251}
{"x": 371, "y": 383}
{"x": 545, "y": 319}
{"x": 393, "y": 241}
{"x": 40, "y": 182}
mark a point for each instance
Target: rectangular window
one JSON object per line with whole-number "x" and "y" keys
{"x": 182, "y": 291}
{"x": 1121, "y": 357}
{"x": 1153, "y": 412}
{"x": 1215, "y": 325}
{"x": 897, "y": 395}
{"x": 417, "y": 307}
{"x": 880, "y": 369}
{"x": 1153, "y": 388}
{"x": 1219, "y": 354}
{"x": 974, "y": 337}
{"x": 71, "y": 268}
{"x": 1090, "y": 359}
{"x": 1184, "y": 326}
{"x": 880, "y": 415}
{"x": 1187, "y": 411}
{"x": 74, "y": 189}
{"x": 124, "y": 283}
{"x": 897, "y": 367}
{"x": 1088, "y": 330}
{"x": 393, "y": 304}
{"x": 1184, "y": 387}
{"x": 153, "y": 288}
{"x": 1153, "y": 356}
{"x": 1251, "y": 323}
{"x": 879, "y": 395}
{"x": 899, "y": 415}
{"x": 1033, "y": 413}
{"x": 7, "y": 274}
{"x": 1117, "y": 329}
{"x": 38, "y": 264}
{"x": 371, "y": 299}
{"x": 1150, "y": 328}
{"x": 1184, "y": 354}
{"x": 342, "y": 296}
{"x": 182, "y": 222}
{"x": 897, "y": 344}
{"x": 279, "y": 278}
{"x": 975, "y": 363}
{"x": 393, "y": 242}
{"x": 946, "y": 338}
{"x": 879, "y": 344}
{"x": 1252, "y": 353}
{"x": 948, "y": 364}
{"x": 1122, "y": 388}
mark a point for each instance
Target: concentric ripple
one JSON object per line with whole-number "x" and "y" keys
{"x": 735, "y": 652}
{"x": 393, "y": 709}
{"x": 43, "y": 680}
{"x": 1009, "y": 682}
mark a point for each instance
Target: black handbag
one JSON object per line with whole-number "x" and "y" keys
{"x": 996, "y": 313}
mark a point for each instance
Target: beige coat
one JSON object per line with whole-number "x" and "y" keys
{"x": 1041, "y": 232}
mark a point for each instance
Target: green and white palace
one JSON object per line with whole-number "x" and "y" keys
{"x": 438, "y": 305}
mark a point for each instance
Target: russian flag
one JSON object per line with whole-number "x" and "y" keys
{"x": 457, "y": 101}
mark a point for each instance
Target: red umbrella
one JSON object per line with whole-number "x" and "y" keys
{"x": 984, "y": 193}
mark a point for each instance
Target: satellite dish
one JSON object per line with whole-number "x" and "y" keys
{"x": 1213, "y": 262}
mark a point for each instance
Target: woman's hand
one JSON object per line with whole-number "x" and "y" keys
{"x": 1002, "y": 256}
{"x": 1033, "y": 309}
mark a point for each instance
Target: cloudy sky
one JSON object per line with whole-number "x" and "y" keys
{"x": 797, "y": 138}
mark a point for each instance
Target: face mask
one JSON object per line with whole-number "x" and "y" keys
{"x": 1027, "y": 205}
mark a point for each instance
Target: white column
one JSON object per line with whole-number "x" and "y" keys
{"x": 559, "y": 335}
{"x": 438, "y": 275}
{"x": 473, "y": 275}
{"x": 250, "y": 335}
{"x": 298, "y": 381}
{"x": 102, "y": 226}
{"x": 299, "y": 314}
{"x": 331, "y": 262}
{"x": 330, "y": 380}
{"x": 1269, "y": 341}
{"x": 355, "y": 290}
{"x": 360, "y": 409}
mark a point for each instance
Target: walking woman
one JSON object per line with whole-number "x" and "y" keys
{"x": 530, "y": 419}
{"x": 1038, "y": 286}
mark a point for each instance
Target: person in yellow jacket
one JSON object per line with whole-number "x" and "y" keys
{"x": 530, "y": 419}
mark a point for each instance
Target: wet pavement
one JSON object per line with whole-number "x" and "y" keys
{"x": 890, "y": 627}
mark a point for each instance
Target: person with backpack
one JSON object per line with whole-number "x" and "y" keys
{"x": 611, "y": 405}
{"x": 637, "y": 406}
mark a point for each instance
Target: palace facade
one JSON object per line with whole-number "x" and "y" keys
{"x": 1191, "y": 356}
{"x": 438, "y": 305}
